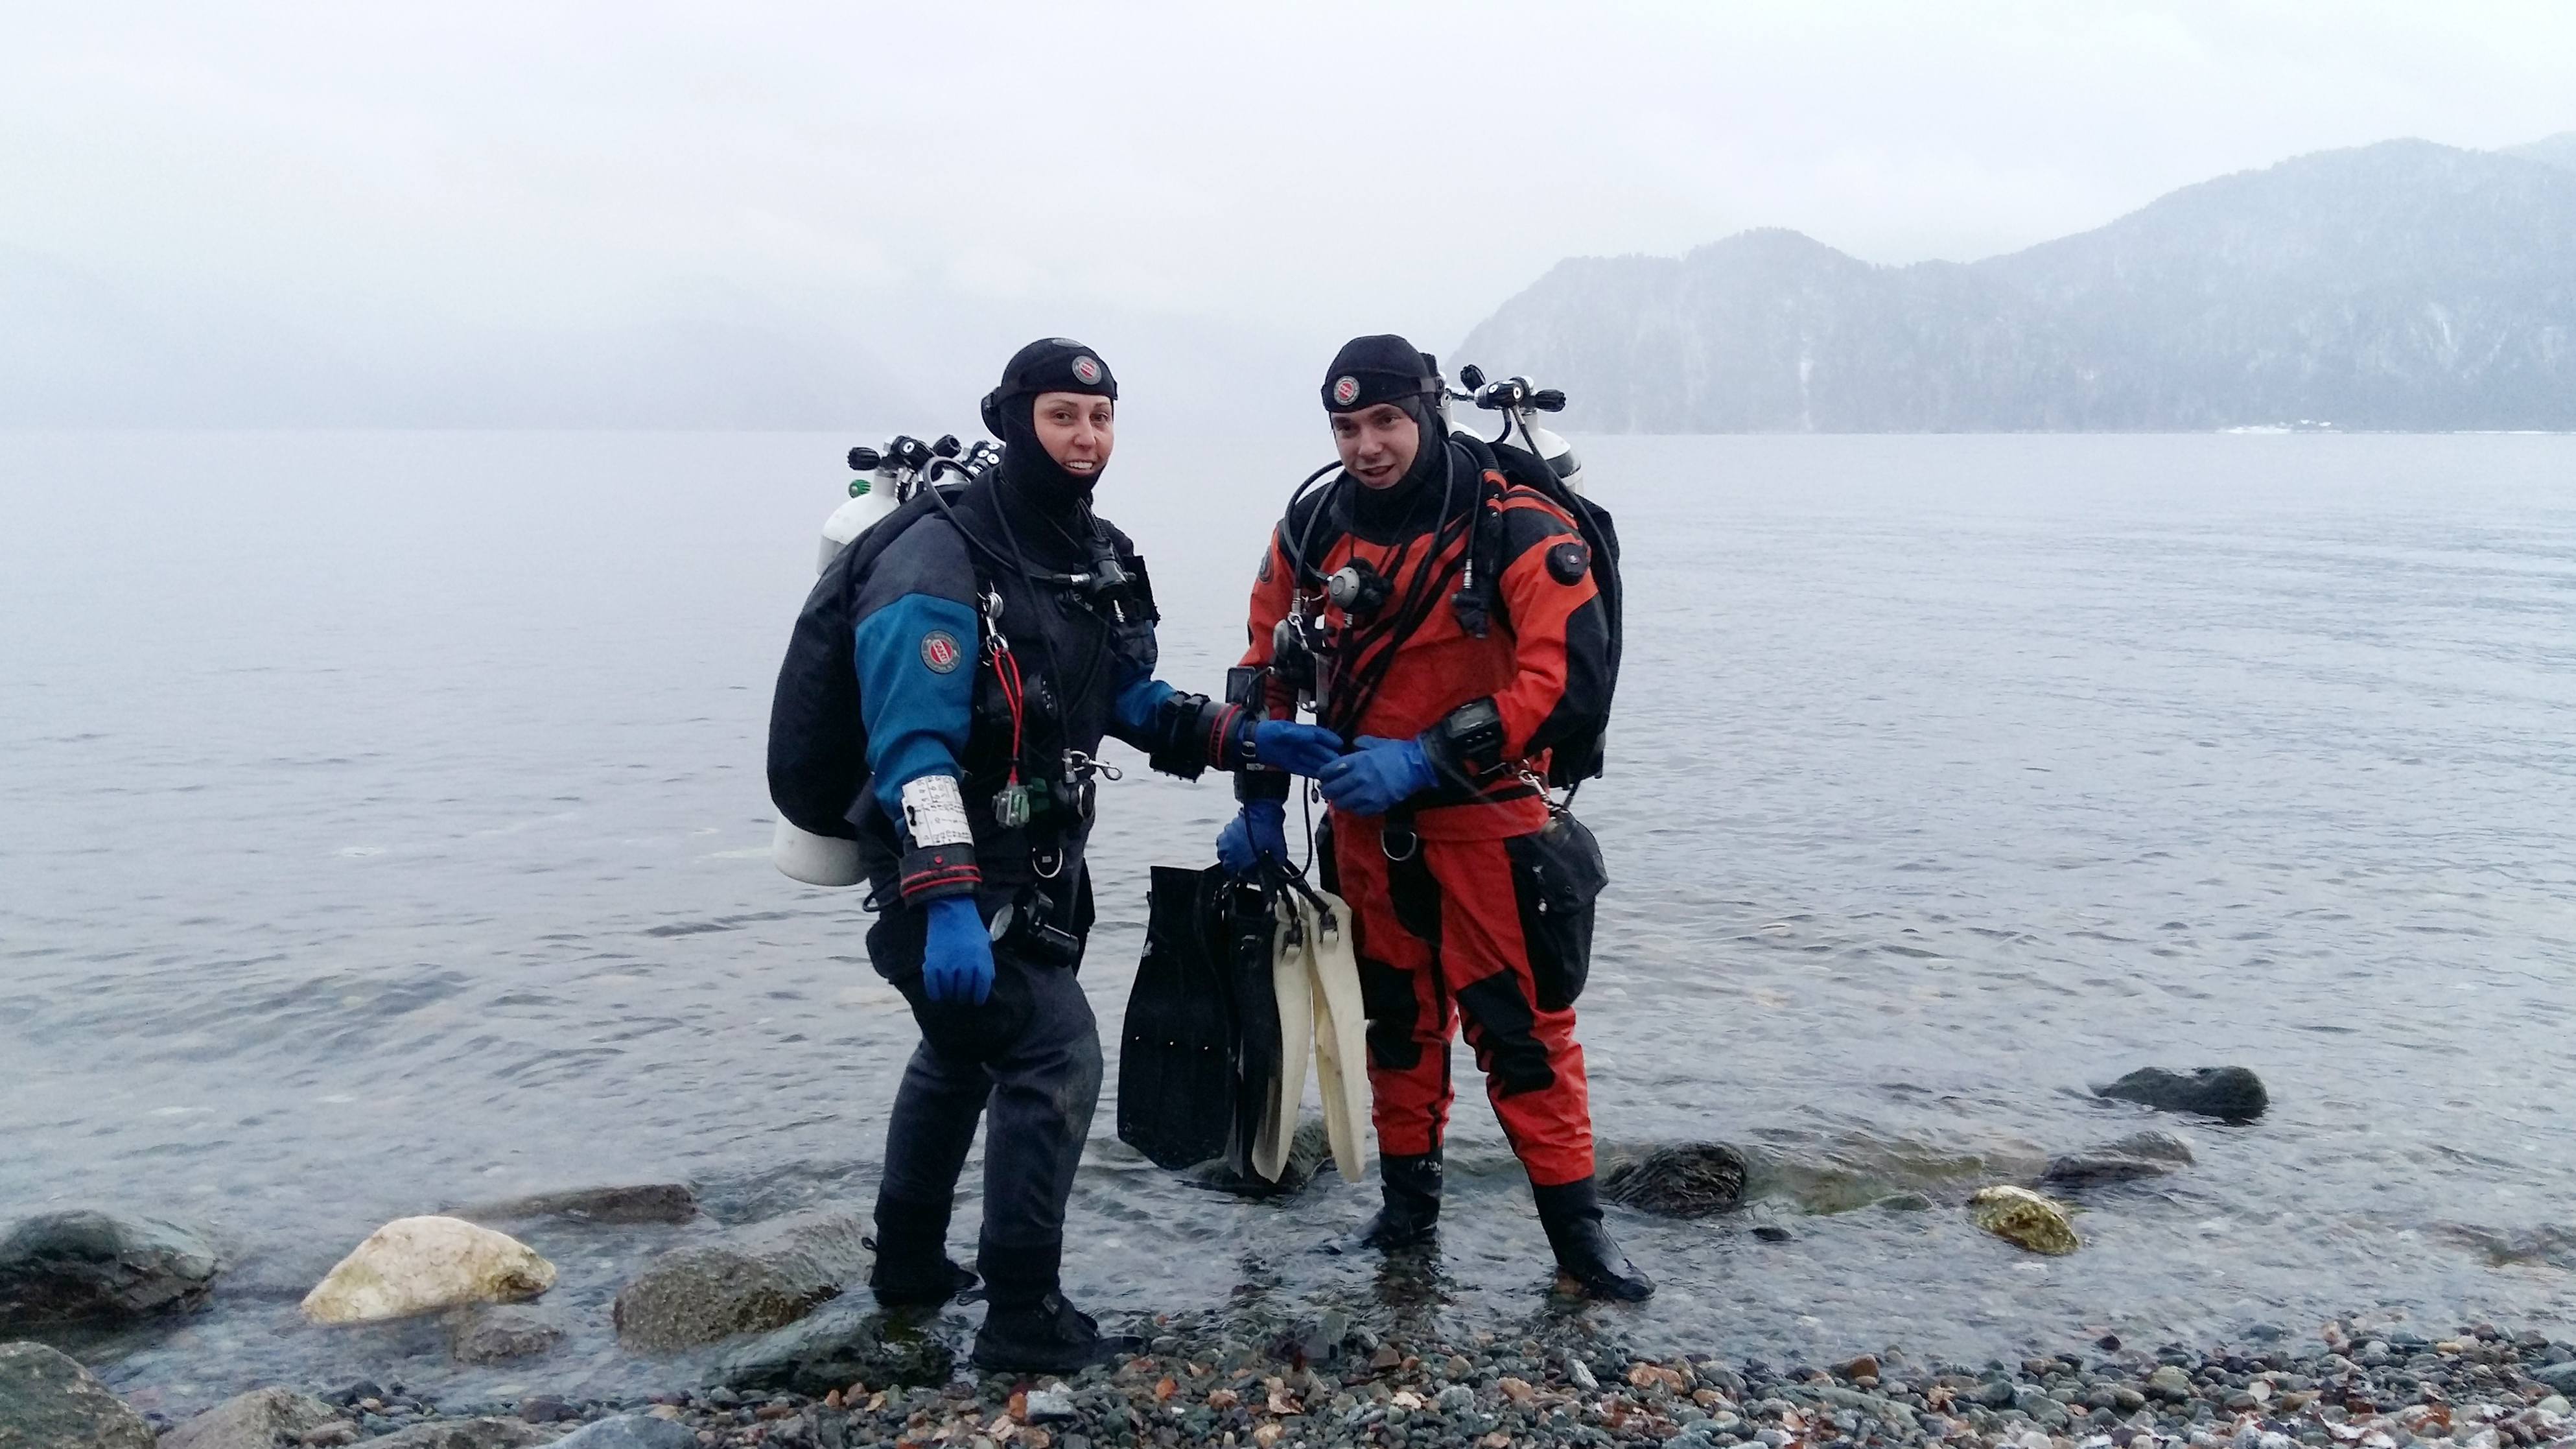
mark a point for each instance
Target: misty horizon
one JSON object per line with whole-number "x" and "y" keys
{"x": 799, "y": 219}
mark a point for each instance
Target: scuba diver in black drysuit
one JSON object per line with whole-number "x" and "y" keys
{"x": 997, "y": 637}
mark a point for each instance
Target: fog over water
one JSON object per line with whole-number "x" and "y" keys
{"x": 281, "y": 213}
{"x": 383, "y": 830}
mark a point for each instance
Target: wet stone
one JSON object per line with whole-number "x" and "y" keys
{"x": 48, "y": 1400}
{"x": 2232, "y": 1094}
{"x": 495, "y": 1335}
{"x": 261, "y": 1419}
{"x": 630, "y": 1431}
{"x": 1693, "y": 1180}
{"x": 847, "y": 1342}
{"x": 81, "y": 1266}
{"x": 755, "y": 1281}
{"x": 496, "y": 1433}
{"x": 2023, "y": 1218}
{"x": 656, "y": 1202}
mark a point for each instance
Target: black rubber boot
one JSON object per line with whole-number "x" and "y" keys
{"x": 1571, "y": 1213}
{"x": 1029, "y": 1328}
{"x": 912, "y": 1268}
{"x": 1410, "y": 1187}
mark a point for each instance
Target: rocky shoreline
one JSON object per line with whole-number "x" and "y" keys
{"x": 764, "y": 1347}
{"x": 2371, "y": 1388}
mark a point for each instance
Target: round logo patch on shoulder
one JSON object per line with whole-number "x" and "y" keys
{"x": 939, "y": 652}
{"x": 1567, "y": 561}
{"x": 1346, "y": 390}
{"x": 1086, "y": 370}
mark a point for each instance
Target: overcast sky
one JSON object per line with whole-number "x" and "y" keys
{"x": 1259, "y": 176}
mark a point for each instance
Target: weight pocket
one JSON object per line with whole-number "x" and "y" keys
{"x": 1557, "y": 874}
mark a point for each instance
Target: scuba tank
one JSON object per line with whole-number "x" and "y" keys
{"x": 1517, "y": 401}
{"x": 887, "y": 477}
{"x": 873, "y": 495}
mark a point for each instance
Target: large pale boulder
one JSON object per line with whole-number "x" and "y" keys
{"x": 415, "y": 1265}
{"x": 260, "y": 1419}
{"x": 81, "y": 1266}
{"x": 47, "y": 1401}
{"x": 2024, "y": 1219}
{"x": 749, "y": 1282}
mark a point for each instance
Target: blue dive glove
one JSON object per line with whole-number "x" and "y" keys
{"x": 957, "y": 959}
{"x": 1377, "y": 776}
{"x": 1300, "y": 749}
{"x": 1260, "y": 829}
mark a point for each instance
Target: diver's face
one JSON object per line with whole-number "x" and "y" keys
{"x": 1077, "y": 429}
{"x": 1377, "y": 442}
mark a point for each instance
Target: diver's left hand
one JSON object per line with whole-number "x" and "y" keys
{"x": 1260, "y": 828}
{"x": 956, "y": 953}
{"x": 1378, "y": 776}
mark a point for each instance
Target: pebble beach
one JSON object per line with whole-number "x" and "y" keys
{"x": 2388, "y": 1387}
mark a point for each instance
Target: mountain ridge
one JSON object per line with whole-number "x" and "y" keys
{"x": 2405, "y": 285}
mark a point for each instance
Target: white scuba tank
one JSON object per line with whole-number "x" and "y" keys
{"x": 1556, "y": 452}
{"x": 871, "y": 497}
{"x": 828, "y": 860}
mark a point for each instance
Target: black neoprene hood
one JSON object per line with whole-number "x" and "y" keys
{"x": 1376, "y": 369}
{"x": 1054, "y": 364}
{"x": 1050, "y": 364}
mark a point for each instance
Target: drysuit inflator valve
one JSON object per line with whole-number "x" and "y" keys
{"x": 1357, "y": 589}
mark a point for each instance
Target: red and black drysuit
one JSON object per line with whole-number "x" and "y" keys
{"x": 1445, "y": 923}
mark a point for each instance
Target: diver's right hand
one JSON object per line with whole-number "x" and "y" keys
{"x": 957, "y": 957}
{"x": 1261, "y": 828}
{"x": 1300, "y": 749}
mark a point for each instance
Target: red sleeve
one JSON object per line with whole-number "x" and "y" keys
{"x": 1560, "y": 634}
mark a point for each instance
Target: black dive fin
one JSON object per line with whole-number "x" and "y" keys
{"x": 1250, "y": 927}
{"x": 1175, "y": 1060}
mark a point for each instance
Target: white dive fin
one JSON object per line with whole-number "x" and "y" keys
{"x": 1291, "y": 971}
{"x": 1341, "y": 1035}
{"x": 821, "y": 860}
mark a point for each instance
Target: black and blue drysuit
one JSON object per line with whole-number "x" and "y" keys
{"x": 936, "y": 696}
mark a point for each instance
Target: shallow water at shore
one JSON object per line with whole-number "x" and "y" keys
{"x": 383, "y": 829}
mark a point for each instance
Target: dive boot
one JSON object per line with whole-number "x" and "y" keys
{"x": 1410, "y": 1187}
{"x": 1049, "y": 1336}
{"x": 912, "y": 1267}
{"x": 1028, "y": 1327}
{"x": 1571, "y": 1213}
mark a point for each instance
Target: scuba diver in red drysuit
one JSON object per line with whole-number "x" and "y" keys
{"x": 1437, "y": 814}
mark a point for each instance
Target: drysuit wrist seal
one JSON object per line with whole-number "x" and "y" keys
{"x": 932, "y": 872}
{"x": 1193, "y": 732}
{"x": 1466, "y": 747}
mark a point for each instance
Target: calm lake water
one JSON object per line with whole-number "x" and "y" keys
{"x": 382, "y": 828}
